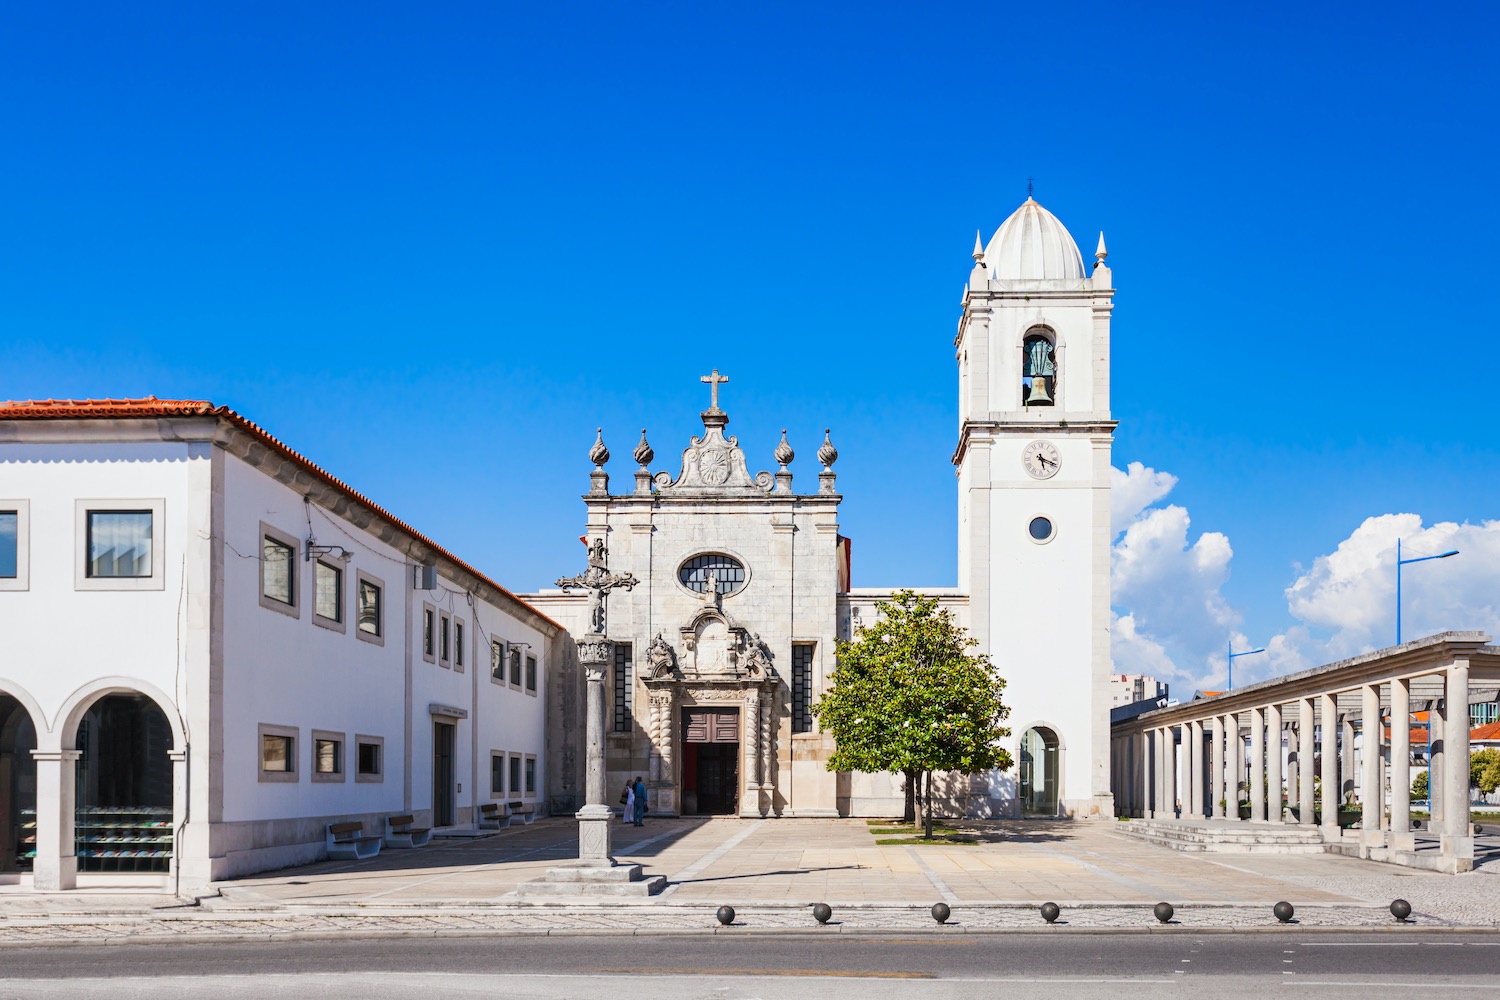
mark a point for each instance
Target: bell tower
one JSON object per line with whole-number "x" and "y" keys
{"x": 1033, "y": 460}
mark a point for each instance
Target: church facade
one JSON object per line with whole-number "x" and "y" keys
{"x": 728, "y": 639}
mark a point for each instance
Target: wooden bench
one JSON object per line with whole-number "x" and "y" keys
{"x": 345, "y": 840}
{"x": 399, "y": 832}
{"x": 491, "y": 818}
{"x": 521, "y": 811}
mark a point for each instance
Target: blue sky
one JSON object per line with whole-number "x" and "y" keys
{"x": 435, "y": 248}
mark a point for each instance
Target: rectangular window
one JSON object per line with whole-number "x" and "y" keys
{"x": 802, "y": 671}
{"x": 497, "y": 661}
{"x": 624, "y": 689}
{"x": 443, "y": 638}
{"x": 429, "y": 627}
{"x": 369, "y": 612}
{"x": 328, "y": 595}
{"x": 278, "y": 578}
{"x": 119, "y": 543}
{"x": 10, "y": 524}
{"x": 530, "y": 775}
{"x": 515, "y": 666}
{"x": 531, "y": 674}
{"x": 328, "y": 756}
{"x": 368, "y": 754}
{"x": 515, "y": 774}
{"x": 277, "y": 753}
{"x": 497, "y": 774}
{"x": 458, "y": 644}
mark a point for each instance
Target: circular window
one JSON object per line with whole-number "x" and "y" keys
{"x": 725, "y": 574}
{"x": 1041, "y": 529}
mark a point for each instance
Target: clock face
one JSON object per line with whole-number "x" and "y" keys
{"x": 1041, "y": 460}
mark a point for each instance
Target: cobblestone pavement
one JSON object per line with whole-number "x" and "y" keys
{"x": 771, "y": 871}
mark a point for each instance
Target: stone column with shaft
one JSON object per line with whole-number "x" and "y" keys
{"x": 1328, "y": 713}
{"x": 1236, "y": 765}
{"x": 56, "y": 864}
{"x": 1371, "y": 795}
{"x": 1274, "y": 812}
{"x": 1437, "y": 731}
{"x": 594, "y": 819}
{"x": 1216, "y": 768}
{"x": 1306, "y": 752}
{"x": 1257, "y": 765}
{"x": 1458, "y": 834}
{"x": 1400, "y": 835}
{"x": 1192, "y": 802}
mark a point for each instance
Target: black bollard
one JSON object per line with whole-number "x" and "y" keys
{"x": 1401, "y": 909}
{"x": 821, "y": 912}
{"x": 725, "y": 915}
{"x": 1050, "y": 912}
{"x": 941, "y": 913}
{"x": 1283, "y": 911}
{"x": 1164, "y": 912}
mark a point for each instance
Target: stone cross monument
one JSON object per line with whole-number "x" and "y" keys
{"x": 596, "y": 871}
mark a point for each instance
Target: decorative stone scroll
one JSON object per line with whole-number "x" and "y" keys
{"x": 715, "y": 464}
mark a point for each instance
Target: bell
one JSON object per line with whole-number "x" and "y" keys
{"x": 1037, "y": 395}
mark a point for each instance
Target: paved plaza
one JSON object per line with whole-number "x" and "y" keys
{"x": 771, "y": 871}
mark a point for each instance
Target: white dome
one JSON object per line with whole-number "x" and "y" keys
{"x": 1033, "y": 244}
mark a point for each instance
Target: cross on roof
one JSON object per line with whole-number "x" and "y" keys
{"x": 714, "y": 381}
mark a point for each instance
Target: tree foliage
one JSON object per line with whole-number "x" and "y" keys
{"x": 1484, "y": 769}
{"x": 910, "y": 696}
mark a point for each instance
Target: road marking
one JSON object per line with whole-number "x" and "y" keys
{"x": 1360, "y": 944}
{"x": 1423, "y": 986}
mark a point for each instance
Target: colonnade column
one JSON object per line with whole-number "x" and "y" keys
{"x": 1236, "y": 764}
{"x": 1158, "y": 774}
{"x": 1371, "y": 794}
{"x": 1192, "y": 802}
{"x": 1293, "y": 757}
{"x": 1400, "y": 836}
{"x": 1328, "y": 712}
{"x": 1216, "y": 769}
{"x": 1307, "y": 749}
{"x": 1273, "y": 764}
{"x": 1437, "y": 735}
{"x": 1458, "y": 835}
{"x": 1257, "y": 765}
{"x": 1346, "y": 756}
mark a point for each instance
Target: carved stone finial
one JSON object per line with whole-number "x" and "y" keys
{"x": 827, "y": 453}
{"x": 599, "y": 454}
{"x": 643, "y": 453}
{"x": 784, "y": 453}
{"x": 978, "y": 249}
{"x": 1101, "y": 253}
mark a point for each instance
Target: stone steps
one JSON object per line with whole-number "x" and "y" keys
{"x": 1227, "y": 838}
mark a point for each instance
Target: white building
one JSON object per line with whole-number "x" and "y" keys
{"x": 213, "y": 648}
{"x": 739, "y": 569}
{"x": 1127, "y": 689}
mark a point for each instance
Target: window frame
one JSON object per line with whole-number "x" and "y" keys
{"x": 513, "y": 775}
{"x": 445, "y": 639}
{"x": 499, "y": 657}
{"x": 622, "y": 688}
{"x": 290, "y": 776}
{"x": 458, "y": 645}
{"x": 533, "y": 673}
{"x": 83, "y": 507}
{"x": 497, "y": 758}
{"x": 529, "y": 776}
{"x": 427, "y": 636}
{"x": 22, "y": 579}
{"x": 341, "y": 623}
{"x": 514, "y": 664}
{"x": 361, "y": 578}
{"x": 339, "y": 776}
{"x": 364, "y": 740}
{"x": 275, "y": 534}
{"x": 801, "y": 688}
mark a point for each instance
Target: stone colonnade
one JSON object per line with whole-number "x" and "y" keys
{"x": 1343, "y": 733}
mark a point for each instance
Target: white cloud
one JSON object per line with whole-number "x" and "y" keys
{"x": 1171, "y": 619}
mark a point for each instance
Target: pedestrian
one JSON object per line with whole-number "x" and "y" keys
{"x": 638, "y": 791}
{"x": 627, "y": 799}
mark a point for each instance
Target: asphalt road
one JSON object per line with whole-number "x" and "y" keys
{"x": 955, "y": 967}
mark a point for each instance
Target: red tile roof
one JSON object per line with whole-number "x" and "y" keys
{"x": 1488, "y": 731}
{"x": 150, "y": 406}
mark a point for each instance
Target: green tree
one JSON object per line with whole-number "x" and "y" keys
{"x": 909, "y": 696}
{"x": 1484, "y": 769}
{"x": 1419, "y": 785}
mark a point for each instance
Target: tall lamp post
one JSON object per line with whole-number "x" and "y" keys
{"x": 1231, "y": 654}
{"x": 1406, "y": 562}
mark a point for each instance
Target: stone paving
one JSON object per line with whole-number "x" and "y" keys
{"x": 771, "y": 871}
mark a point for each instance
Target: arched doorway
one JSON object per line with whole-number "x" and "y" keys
{"x": 124, "y": 787}
{"x": 17, "y": 787}
{"x": 1040, "y": 771}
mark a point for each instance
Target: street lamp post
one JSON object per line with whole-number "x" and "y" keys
{"x": 1404, "y": 562}
{"x": 1231, "y": 654}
